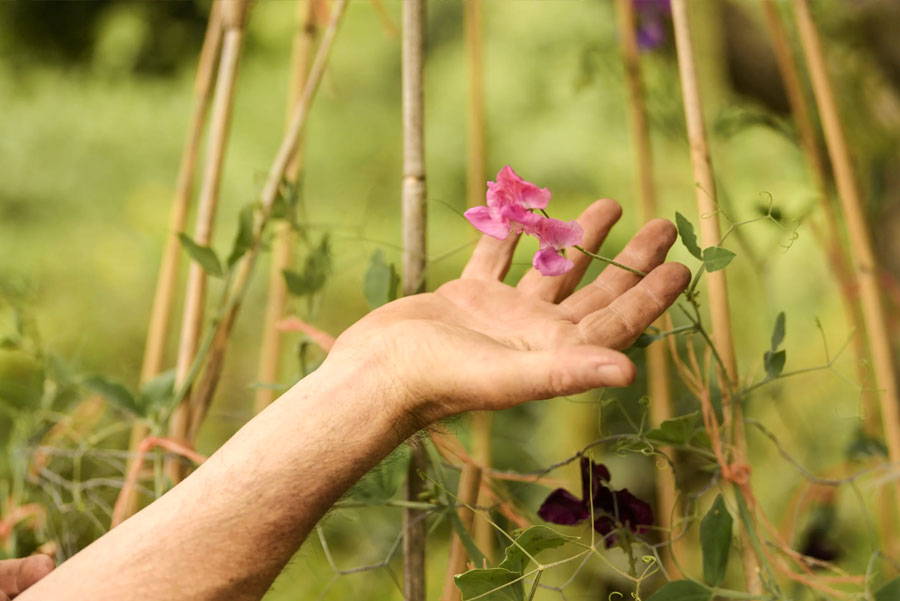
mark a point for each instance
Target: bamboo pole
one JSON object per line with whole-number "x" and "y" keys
{"x": 233, "y": 14}
{"x": 215, "y": 356}
{"x": 270, "y": 353}
{"x": 469, "y": 484}
{"x": 707, "y": 209}
{"x": 862, "y": 253}
{"x": 658, "y": 380}
{"x": 414, "y": 259}
{"x": 164, "y": 297}
{"x": 475, "y": 181}
{"x": 835, "y": 251}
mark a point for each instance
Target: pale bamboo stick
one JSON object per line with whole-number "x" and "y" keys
{"x": 270, "y": 352}
{"x": 835, "y": 250}
{"x": 164, "y": 297}
{"x": 201, "y": 399}
{"x": 233, "y": 14}
{"x": 862, "y": 253}
{"x": 414, "y": 259}
{"x": 469, "y": 484}
{"x": 707, "y": 209}
{"x": 658, "y": 380}
{"x": 475, "y": 186}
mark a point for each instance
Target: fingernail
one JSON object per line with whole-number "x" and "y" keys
{"x": 612, "y": 373}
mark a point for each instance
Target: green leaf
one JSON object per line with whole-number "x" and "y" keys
{"x": 889, "y": 592}
{"x": 682, "y": 590}
{"x": 474, "y": 553}
{"x": 774, "y": 363}
{"x": 681, "y": 430}
{"x": 158, "y": 393}
{"x": 503, "y": 583}
{"x": 316, "y": 270}
{"x": 381, "y": 280}
{"x": 778, "y": 331}
{"x": 243, "y": 239}
{"x": 533, "y": 540}
{"x": 716, "y": 258}
{"x": 115, "y": 393}
{"x": 715, "y": 540}
{"x": 203, "y": 255}
{"x": 688, "y": 237}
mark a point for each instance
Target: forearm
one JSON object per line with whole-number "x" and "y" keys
{"x": 227, "y": 530}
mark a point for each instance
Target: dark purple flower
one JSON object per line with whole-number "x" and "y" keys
{"x": 611, "y": 508}
{"x": 652, "y": 22}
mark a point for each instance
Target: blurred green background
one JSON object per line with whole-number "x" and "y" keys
{"x": 96, "y": 98}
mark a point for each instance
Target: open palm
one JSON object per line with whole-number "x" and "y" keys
{"x": 477, "y": 343}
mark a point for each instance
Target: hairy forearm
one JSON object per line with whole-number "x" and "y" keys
{"x": 227, "y": 530}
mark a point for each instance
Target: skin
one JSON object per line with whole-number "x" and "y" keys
{"x": 473, "y": 344}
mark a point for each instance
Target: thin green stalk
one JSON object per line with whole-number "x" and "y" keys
{"x": 636, "y": 272}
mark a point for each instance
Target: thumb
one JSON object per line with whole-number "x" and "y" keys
{"x": 16, "y": 575}
{"x": 544, "y": 374}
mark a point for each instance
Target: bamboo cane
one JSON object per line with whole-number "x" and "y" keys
{"x": 835, "y": 251}
{"x": 164, "y": 297}
{"x": 414, "y": 258}
{"x": 469, "y": 484}
{"x": 707, "y": 208}
{"x": 475, "y": 180}
{"x": 233, "y": 13}
{"x": 270, "y": 353}
{"x": 862, "y": 253}
{"x": 658, "y": 381}
{"x": 214, "y": 360}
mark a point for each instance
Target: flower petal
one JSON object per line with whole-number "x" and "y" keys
{"x": 549, "y": 262}
{"x": 633, "y": 512}
{"x": 485, "y": 221}
{"x": 558, "y": 234}
{"x": 605, "y": 525}
{"x": 522, "y": 192}
{"x": 593, "y": 475}
{"x": 562, "y": 507}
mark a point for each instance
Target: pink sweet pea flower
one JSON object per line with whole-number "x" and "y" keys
{"x": 510, "y": 202}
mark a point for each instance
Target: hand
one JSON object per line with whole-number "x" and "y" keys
{"x": 16, "y": 575}
{"x": 477, "y": 343}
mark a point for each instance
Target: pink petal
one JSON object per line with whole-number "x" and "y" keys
{"x": 486, "y": 222}
{"x": 522, "y": 192}
{"x": 558, "y": 234}
{"x": 549, "y": 262}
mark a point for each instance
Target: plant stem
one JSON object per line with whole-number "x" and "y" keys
{"x": 414, "y": 259}
{"x": 481, "y": 421}
{"x": 305, "y": 37}
{"x": 233, "y": 15}
{"x": 658, "y": 380}
{"x": 866, "y": 266}
{"x": 704, "y": 182}
{"x": 467, "y": 495}
{"x": 636, "y": 272}
{"x": 164, "y": 297}
{"x": 220, "y": 333}
{"x": 835, "y": 251}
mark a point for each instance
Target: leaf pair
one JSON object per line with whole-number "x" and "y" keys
{"x": 714, "y": 257}
{"x": 506, "y": 581}
{"x": 207, "y": 257}
{"x": 715, "y": 541}
{"x": 155, "y": 396}
{"x": 683, "y": 430}
{"x": 315, "y": 272}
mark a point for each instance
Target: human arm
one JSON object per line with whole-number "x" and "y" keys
{"x": 227, "y": 530}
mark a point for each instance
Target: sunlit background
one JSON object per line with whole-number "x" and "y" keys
{"x": 96, "y": 98}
